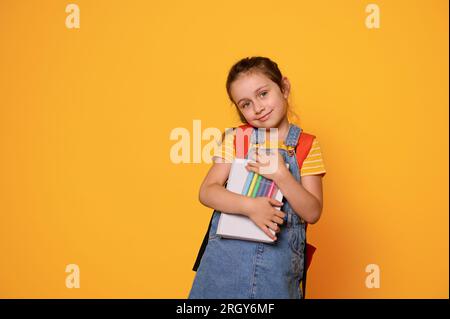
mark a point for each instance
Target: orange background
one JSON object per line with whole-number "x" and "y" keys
{"x": 85, "y": 118}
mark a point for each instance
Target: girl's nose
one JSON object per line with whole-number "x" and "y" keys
{"x": 259, "y": 108}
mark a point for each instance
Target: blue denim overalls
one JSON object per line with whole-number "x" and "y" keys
{"x": 240, "y": 269}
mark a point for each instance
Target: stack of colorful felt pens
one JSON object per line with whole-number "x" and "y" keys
{"x": 257, "y": 185}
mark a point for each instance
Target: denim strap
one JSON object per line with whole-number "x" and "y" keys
{"x": 293, "y": 135}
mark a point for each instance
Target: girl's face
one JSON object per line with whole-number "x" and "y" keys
{"x": 260, "y": 100}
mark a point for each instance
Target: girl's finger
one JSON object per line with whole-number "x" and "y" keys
{"x": 276, "y": 228}
{"x": 251, "y": 168}
{"x": 278, "y": 220}
{"x": 272, "y": 225}
{"x": 267, "y": 232}
{"x": 279, "y": 213}
{"x": 275, "y": 202}
{"x": 254, "y": 164}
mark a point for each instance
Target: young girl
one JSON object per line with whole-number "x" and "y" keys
{"x": 240, "y": 269}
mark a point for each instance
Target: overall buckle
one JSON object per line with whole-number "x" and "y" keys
{"x": 291, "y": 151}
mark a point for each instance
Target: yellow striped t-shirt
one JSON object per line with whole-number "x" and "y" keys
{"x": 313, "y": 164}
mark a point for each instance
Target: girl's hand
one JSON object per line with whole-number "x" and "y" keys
{"x": 265, "y": 216}
{"x": 268, "y": 163}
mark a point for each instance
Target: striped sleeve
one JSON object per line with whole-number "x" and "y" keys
{"x": 224, "y": 151}
{"x": 313, "y": 164}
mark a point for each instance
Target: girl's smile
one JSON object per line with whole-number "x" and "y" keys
{"x": 265, "y": 117}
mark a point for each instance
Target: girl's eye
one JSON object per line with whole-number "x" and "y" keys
{"x": 264, "y": 92}
{"x": 244, "y": 105}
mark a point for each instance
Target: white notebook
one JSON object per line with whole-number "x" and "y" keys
{"x": 239, "y": 226}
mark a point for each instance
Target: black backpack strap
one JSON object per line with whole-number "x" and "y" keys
{"x": 203, "y": 246}
{"x": 304, "y": 270}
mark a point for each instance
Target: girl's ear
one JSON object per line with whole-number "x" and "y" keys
{"x": 286, "y": 87}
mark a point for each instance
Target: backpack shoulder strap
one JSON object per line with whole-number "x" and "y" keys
{"x": 203, "y": 246}
{"x": 241, "y": 140}
{"x": 303, "y": 147}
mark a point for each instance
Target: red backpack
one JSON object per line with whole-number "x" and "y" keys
{"x": 302, "y": 150}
